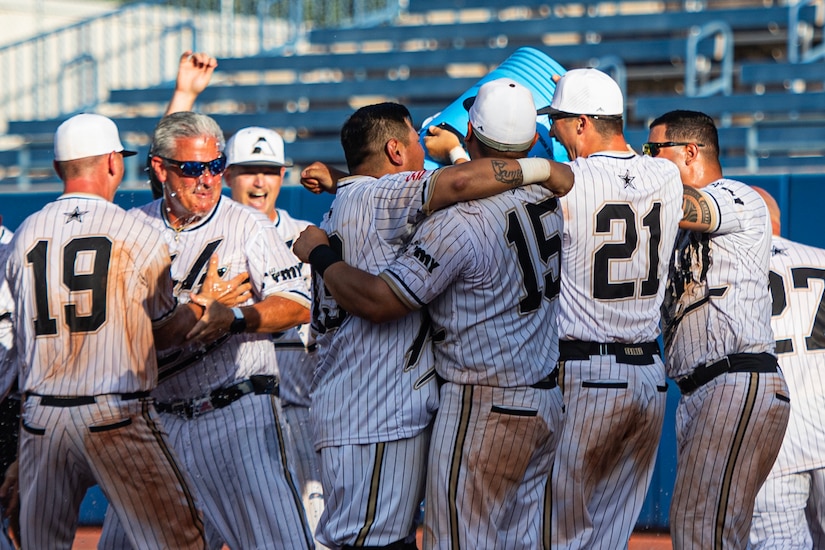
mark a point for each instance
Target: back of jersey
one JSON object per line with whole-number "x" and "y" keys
{"x": 797, "y": 280}
{"x": 490, "y": 272}
{"x": 88, "y": 279}
{"x": 385, "y": 369}
{"x": 620, "y": 224}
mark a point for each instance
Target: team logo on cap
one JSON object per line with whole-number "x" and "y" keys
{"x": 257, "y": 149}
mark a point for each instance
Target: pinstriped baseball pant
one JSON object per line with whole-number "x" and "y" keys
{"x": 489, "y": 466}
{"x": 728, "y": 434}
{"x": 119, "y": 445}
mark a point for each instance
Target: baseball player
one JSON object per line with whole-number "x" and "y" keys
{"x": 254, "y": 173}
{"x": 494, "y": 333}
{"x": 375, "y": 388}
{"x": 92, "y": 300}
{"x": 790, "y": 507}
{"x": 718, "y": 342}
{"x": 620, "y": 225}
{"x": 219, "y": 402}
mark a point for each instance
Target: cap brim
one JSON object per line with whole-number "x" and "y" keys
{"x": 547, "y": 110}
{"x": 127, "y": 153}
{"x": 260, "y": 163}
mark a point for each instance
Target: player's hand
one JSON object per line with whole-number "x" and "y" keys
{"x": 439, "y": 142}
{"x": 214, "y": 322}
{"x": 194, "y": 73}
{"x": 10, "y": 499}
{"x": 319, "y": 177}
{"x": 310, "y": 238}
{"x": 236, "y": 291}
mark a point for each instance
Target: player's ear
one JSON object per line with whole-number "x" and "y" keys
{"x": 159, "y": 168}
{"x": 394, "y": 153}
{"x": 691, "y": 153}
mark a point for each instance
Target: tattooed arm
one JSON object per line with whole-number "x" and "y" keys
{"x": 699, "y": 211}
{"x": 486, "y": 177}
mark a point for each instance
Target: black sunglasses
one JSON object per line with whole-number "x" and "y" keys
{"x": 558, "y": 116}
{"x": 653, "y": 148}
{"x": 195, "y": 168}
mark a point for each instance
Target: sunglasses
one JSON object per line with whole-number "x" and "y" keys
{"x": 195, "y": 168}
{"x": 653, "y": 148}
{"x": 558, "y": 116}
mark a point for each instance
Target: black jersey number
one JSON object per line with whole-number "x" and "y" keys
{"x": 547, "y": 246}
{"x": 603, "y": 289}
{"x": 95, "y": 282}
{"x": 800, "y": 276}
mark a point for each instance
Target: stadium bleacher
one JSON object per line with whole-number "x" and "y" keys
{"x": 424, "y": 60}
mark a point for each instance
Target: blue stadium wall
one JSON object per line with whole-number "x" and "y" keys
{"x": 800, "y": 197}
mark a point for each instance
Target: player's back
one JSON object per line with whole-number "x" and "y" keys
{"x": 88, "y": 280}
{"x": 620, "y": 223}
{"x": 489, "y": 270}
{"x": 797, "y": 281}
{"x": 386, "y": 368}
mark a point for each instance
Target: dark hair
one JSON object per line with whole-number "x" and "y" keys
{"x": 368, "y": 129}
{"x": 690, "y": 126}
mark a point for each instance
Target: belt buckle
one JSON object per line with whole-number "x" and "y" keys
{"x": 201, "y": 405}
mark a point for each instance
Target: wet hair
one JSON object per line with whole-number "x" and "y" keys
{"x": 184, "y": 124}
{"x": 368, "y": 130}
{"x": 690, "y": 126}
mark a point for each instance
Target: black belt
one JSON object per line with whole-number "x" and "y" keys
{"x": 548, "y": 382}
{"x": 631, "y": 354}
{"x": 217, "y": 399}
{"x": 76, "y": 400}
{"x": 736, "y": 362}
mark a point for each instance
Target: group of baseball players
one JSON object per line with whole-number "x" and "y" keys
{"x": 482, "y": 337}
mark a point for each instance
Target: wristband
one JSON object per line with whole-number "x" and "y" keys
{"x": 323, "y": 256}
{"x": 457, "y": 153}
{"x": 534, "y": 170}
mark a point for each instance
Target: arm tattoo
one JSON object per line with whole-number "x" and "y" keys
{"x": 696, "y": 208}
{"x": 513, "y": 178}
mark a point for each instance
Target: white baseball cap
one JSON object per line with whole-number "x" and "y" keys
{"x": 586, "y": 92}
{"x": 503, "y": 115}
{"x": 256, "y": 146}
{"x": 87, "y": 135}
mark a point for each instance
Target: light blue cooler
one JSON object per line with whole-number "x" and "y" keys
{"x": 530, "y": 68}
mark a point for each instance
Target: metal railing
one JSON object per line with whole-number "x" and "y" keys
{"x": 73, "y": 68}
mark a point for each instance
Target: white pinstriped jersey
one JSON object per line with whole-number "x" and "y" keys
{"x": 620, "y": 222}
{"x": 489, "y": 270}
{"x": 8, "y": 371}
{"x": 373, "y": 382}
{"x": 244, "y": 240}
{"x": 295, "y": 360}
{"x": 715, "y": 305}
{"x": 798, "y": 287}
{"x": 88, "y": 280}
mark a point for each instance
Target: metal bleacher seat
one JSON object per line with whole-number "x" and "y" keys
{"x": 766, "y": 73}
{"x": 433, "y": 90}
{"x": 530, "y": 30}
{"x": 724, "y": 106}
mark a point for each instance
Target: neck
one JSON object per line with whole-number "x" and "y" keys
{"x": 89, "y": 187}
